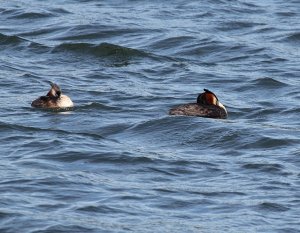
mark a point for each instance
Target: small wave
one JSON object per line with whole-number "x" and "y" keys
{"x": 242, "y": 8}
{"x": 42, "y": 31}
{"x": 268, "y": 143}
{"x": 4, "y": 215}
{"x": 31, "y": 15}
{"x": 99, "y": 157}
{"x": 237, "y": 25}
{"x": 273, "y": 207}
{"x": 261, "y": 84}
{"x": 95, "y": 105}
{"x": 101, "y": 50}
{"x": 219, "y": 194}
{"x": 64, "y": 228}
{"x": 286, "y": 13}
{"x": 291, "y": 110}
{"x": 22, "y": 14}
{"x": 291, "y": 38}
{"x": 295, "y": 37}
{"x": 268, "y": 82}
{"x": 7, "y": 126}
{"x": 10, "y": 40}
{"x": 205, "y": 48}
{"x": 103, "y": 209}
{"x": 171, "y": 43}
{"x": 264, "y": 167}
{"x": 153, "y": 125}
{"x": 265, "y": 29}
{"x": 60, "y": 11}
{"x": 90, "y": 32}
{"x": 21, "y": 43}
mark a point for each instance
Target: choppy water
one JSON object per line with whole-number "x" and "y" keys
{"x": 118, "y": 162}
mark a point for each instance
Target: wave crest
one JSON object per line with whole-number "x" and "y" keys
{"x": 101, "y": 50}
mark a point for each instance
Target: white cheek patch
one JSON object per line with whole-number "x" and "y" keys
{"x": 222, "y": 106}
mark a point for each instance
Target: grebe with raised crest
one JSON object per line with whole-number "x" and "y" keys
{"x": 207, "y": 105}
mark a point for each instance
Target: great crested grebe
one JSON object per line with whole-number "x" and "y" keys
{"x": 207, "y": 105}
{"x": 53, "y": 99}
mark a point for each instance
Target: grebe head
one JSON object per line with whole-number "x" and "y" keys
{"x": 209, "y": 98}
{"x": 55, "y": 91}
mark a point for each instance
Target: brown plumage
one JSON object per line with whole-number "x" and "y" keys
{"x": 53, "y": 99}
{"x": 207, "y": 105}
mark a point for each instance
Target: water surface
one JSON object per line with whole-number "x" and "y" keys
{"x": 118, "y": 162}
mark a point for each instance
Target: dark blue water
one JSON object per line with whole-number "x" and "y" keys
{"x": 118, "y": 162}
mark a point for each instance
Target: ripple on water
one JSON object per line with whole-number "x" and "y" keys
{"x": 63, "y": 228}
{"x": 10, "y": 40}
{"x": 30, "y": 15}
{"x": 292, "y": 38}
{"x": 272, "y": 207}
{"x": 97, "y": 106}
{"x": 101, "y": 50}
{"x": 267, "y": 143}
{"x": 266, "y": 168}
{"x": 94, "y": 32}
{"x": 238, "y": 25}
{"x": 118, "y": 162}
{"x": 269, "y": 83}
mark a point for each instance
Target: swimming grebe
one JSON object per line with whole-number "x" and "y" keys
{"x": 207, "y": 105}
{"x": 54, "y": 99}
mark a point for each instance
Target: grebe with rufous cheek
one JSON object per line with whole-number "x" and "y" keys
{"x": 53, "y": 99}
{"x": 207, "y": 105}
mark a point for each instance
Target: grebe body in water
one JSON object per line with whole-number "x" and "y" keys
{"x": 53, "y": 99}
{"x": 207, "y": 105}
